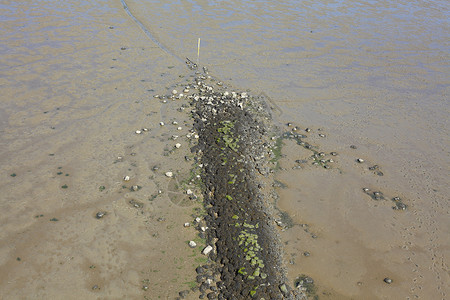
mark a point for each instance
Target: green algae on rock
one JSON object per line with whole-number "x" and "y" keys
{"x": 234, "y": 150}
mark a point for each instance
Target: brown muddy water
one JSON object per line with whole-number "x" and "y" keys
{"x": 78, "y": 79}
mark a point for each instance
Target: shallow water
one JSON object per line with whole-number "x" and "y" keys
{"x": 369, "y": 74}
{"x": 77, "y": 81}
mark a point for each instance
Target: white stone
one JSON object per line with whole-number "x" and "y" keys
{"x": 138, "y": 132}
{"x": 174, "y": 92}
{"x": 192, "y": 244}
{"x": 198, "y": 220}
{"x": 174, "y": 122}
{"x": 179, "y": 128}
{"x": 177, "y": 145}
{"x": 169, "y": 174}
{"x": 189, "y": 192}
{"x": 126, "y": 178}
{"x": 203, "y": 228}
{"x": 207, "y": 250}
{"x": 196, "y": 136}
{"x": 161, "y": 123}
{"x": 187, "y": 224}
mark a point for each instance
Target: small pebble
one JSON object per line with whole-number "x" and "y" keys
{"x": 207, "y": 250}
{"x": 174, "y": 92}
{"x": 399, "y": 206}
{"x": 365, "y": 190}
{"x": 100, "y": 214}
{"x": 161, "y": 124}
{"x": 187, "y": 224}
{"x": 387, "y": 280}
{"x": 138, "y": 132}
{"x": 192, "y": 244}
{"x": 189, "y": 192}
{"x": 169, "y": 174}
{"x": 360, "y": 160}
{"x": 175, "y": 123}
{"x": 183, "y": 294}
{"x": 179, "y": 128}
{"x": 126, "y": 178}
{"x": 177, "y": 145}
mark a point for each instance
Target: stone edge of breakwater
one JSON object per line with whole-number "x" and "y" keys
{"x": 235, "y": 149}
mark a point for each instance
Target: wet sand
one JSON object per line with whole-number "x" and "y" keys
{"x": 78, "y": 80}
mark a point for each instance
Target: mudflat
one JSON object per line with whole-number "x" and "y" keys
{"x": 101, "y": 192}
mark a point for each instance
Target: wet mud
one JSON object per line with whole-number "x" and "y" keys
{"x": 323, "y": 175}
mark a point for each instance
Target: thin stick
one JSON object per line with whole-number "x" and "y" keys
{"x": 198, "y": 51}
